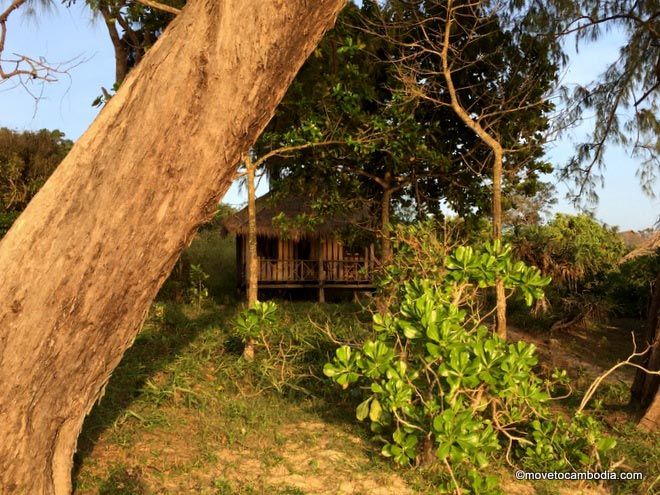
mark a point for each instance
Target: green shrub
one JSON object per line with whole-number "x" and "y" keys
{"x": 215, "y": 253}
{"x": 27, "y": 159}
{"x": 630, "y": 285}
{"x": 6, "y": 221}
{"x": 579, "y": 254}
{"x": 439, "y": 386}
{"x": 250, "y": 323}
{"x": 572, "y": 248}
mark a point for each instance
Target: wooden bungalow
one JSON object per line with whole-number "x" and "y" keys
{"x": 297, "y": 257}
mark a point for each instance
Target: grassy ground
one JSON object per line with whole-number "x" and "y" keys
{"x": 184, "y": 413}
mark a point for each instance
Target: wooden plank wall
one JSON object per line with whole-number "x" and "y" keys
{"x": 285, "y": 266}
{"x": 333, "y": 250}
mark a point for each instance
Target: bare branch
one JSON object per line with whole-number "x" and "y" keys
{"x": 628, "y": 362}
{"x": 160, "y": 6}
{"x": 23, "y": 67}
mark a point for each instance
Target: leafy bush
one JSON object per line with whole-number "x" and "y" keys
{"x": 251, "y": 322}
{"x": 291, "y": 348}
{"x": 630, "y": 285}
{"x": 572, "y": 248}
{"x": 579, "y": 254}
{"x": 440, "y": 386}
{"x": 6, "y": 221}
{"x": 26, "y": 161}
{"x": 215, "y": 253}
{"x": 419, "y": 251}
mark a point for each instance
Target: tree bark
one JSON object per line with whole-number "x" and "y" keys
{"x": 500, "y": 294}
{"x": 252, "y": 268}
{"x": 80, "y": 266}
{"x": 644, "y": 390}
{"x": 651, "y": 419}
{"x": 121, "y": 52}
{"x": 252, "y": 261}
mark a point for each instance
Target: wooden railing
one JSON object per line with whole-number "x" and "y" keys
{"x": 288, "y": 270}
{"x": 346, "y": 270}
{"x": 308, "y": 270}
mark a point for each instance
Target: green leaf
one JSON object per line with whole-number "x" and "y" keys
{"x": 344, "y": 354}
{"x": 443, "y": 450}
{"x": 363, "y": 409}
{"x": 329, "y": 370}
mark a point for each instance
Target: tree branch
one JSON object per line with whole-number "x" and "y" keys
{"x": 160, "y": 6}
{"x": 628, "y": 362}
{"x": 25, "y": 66}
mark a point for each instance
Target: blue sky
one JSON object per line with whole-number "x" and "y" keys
{"x": 65, "y": 33}
{"x": 622, "y": 201}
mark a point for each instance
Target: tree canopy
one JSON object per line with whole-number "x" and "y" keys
{"x": 26, "y": 160}
{"x": 421, "y": 151}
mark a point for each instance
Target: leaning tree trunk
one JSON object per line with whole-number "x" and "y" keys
{"x": 651, "y": 419}
{"x": 644, "y": 391}
{"x": 81, "y": 265}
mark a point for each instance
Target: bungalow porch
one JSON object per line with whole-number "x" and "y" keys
{"x": 298, "y": 258}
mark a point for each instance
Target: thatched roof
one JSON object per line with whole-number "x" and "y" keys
{"x": 646, "y": 248}
{"x": 293, "y": 209}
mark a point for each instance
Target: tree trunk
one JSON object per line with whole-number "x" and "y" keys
{"x": 500, "y": 294}
{"x": 252, "y": 261}
{"x": 496, "y": 147}
{"x": 252, "y": 264}
{"x": 644, "y": 390}
{"x": 385, "y": 227}
{"x": 80, "y": 266}
{"x": 121, "y": 53}
{"x": 651, "y": 419}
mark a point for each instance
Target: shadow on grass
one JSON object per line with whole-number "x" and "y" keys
{"x": 152, "y": 351}
{"x": 123, "y": 482}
